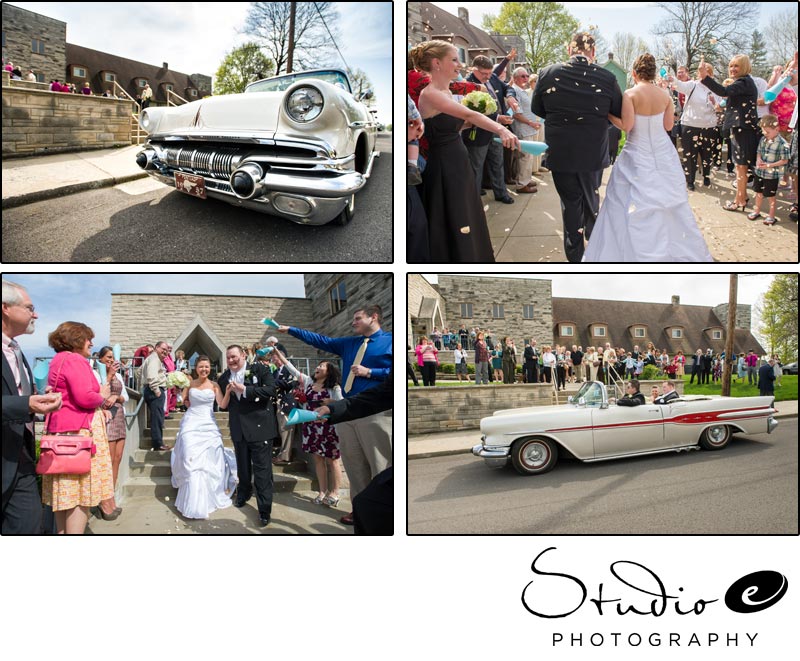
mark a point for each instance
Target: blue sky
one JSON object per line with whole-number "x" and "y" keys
{"x": 87, "y": 298}
{"x": 193, "y": 37}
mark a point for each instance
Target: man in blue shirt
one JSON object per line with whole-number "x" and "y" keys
{"x": 366, "y": 443}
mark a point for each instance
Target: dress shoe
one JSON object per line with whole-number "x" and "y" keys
{"x": 527, "y": 188}
{"x": 240, "y": 501}
{"x": 483, "y": 192}
{"x": 347, "y": 519}
{"x": 505, "y": 200}
{"x": 690, "y": 186}
{"x": 263, "y": 520}
{"x": 706, "y": 182}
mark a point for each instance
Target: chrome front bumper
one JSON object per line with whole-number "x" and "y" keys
{"x": 496, "y": 457}
{"x": 313, "y": 194}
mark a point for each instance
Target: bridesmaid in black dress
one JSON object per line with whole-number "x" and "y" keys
{"x": 457, "y": 228}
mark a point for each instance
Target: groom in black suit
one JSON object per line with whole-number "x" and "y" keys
{"x": 253, "y": 427}
{"x": 575, "y": 98}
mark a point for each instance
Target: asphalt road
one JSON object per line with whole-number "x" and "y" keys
{"x": 750, "y": 487}
{"x": 146, "y": 221}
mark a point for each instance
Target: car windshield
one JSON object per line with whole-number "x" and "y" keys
{"x": 591, "y": 392}
{"x": 281, "y": 83}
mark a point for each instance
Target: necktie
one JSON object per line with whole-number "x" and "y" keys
{"x": 359, "y": 357}
{"x": 24, "y": 381}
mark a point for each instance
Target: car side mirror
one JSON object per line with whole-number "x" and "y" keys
{"x": 582, "y": 401}
{"x": 365, "y": 95}
{"x": 569, "y": 399}
{"x": 604, "y": 405}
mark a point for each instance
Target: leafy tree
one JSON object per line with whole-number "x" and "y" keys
{"x": 268, "y": 23}
{"x": 778, "y": 312}
{"x": 698, "y": 26}
{"x": 758, "y": 55}
{"x": 546, "y": 28}
{"x": 242, "y": 66}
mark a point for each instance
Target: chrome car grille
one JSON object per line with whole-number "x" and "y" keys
{"x": 218, "y": 162}
{"x": 211, "y": 162}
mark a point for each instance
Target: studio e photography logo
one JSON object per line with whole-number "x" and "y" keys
{"x": 645, "y": 595}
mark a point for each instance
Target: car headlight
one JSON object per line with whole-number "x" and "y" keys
{"x": 305, "y": 104}
{"x": 145, "y": 120}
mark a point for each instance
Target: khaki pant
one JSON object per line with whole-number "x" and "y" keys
{"x": 366, "y": 447}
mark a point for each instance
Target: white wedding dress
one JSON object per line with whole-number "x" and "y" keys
{"x": 203, "y": 471}
{"x": 645, "y": 216}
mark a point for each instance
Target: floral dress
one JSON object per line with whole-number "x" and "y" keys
{"x": 319, "y": 437}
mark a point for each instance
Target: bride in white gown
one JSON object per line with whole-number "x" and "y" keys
{"x": 203, "y": 471}
{"x": 645, "y": 216}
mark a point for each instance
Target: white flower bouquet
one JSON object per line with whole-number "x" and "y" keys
{"x": 177, "y": 380}
{"x": 481, "y": 102}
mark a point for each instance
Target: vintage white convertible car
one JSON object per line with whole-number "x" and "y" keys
{"x": 591, "y": 427}
{"x": 299, "y": 146}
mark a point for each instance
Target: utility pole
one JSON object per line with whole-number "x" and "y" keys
{"x": 726, "y": 367}
{"x": 290, "y": 56}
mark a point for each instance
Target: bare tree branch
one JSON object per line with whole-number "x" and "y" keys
{"x": 268, "y": 23}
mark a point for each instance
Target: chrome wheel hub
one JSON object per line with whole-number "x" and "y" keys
{"x": 535, "y": 455}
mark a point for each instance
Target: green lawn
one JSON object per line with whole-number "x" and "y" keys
{"x": 785, "y": 392}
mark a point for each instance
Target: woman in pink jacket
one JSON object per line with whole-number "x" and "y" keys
{"x": 83, "y": 399}
{"x": 427, "y": 359}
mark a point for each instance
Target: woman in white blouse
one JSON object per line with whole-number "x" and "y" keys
{"x": 549, "y": 363}
{"x": 460, "y": 359}
{"x": 698, "y": 127}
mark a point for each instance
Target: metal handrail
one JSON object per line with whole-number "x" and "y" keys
{"x": 137, "y": 132}
{"x": 170, "y": 94}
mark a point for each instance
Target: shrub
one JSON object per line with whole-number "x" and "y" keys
{"x": 650, "y": 373}
{"x": 447, "y": 368}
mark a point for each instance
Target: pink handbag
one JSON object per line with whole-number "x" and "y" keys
{"x": 64, "y": 454}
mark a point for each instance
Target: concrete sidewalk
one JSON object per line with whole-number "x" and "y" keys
{"x": 37, "y": 178}
{"x": 292, "y": 513}
{"x": 531, "y": 229}
{"x": 423, "y": 446}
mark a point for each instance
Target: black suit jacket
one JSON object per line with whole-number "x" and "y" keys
{"x": 575, "y": 99}
{"x": 766, "y": 379}
{"x": 501, "y": 89}
{"x": 666, "y": 399}
{"x": 15, "y": 434}
{"x": 636, "y": 400}
{"x": 740, "y": 106}
{"x": 368, "y": 402}
{"x": 252, "y": 417}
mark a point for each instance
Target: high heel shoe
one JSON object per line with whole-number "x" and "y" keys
{"x": 732, "y": 206}
{"x": 319, "y": 500}
{"x": 110, "y": 517}
{"x": 330, "y": 501}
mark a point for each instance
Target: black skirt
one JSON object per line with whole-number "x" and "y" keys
{"x": 745, "y": 145}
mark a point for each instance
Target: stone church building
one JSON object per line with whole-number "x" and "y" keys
{"x": 207, "y": 324}
{"x": 523, "y": 308}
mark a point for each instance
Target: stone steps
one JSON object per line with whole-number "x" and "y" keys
{"x": 147, "y": 463}
{"x": 161, "y": 486}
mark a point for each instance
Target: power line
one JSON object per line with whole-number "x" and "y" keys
{"x": 335, "y": 45}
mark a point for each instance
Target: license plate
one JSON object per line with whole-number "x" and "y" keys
{"x": 191, "y": 184}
